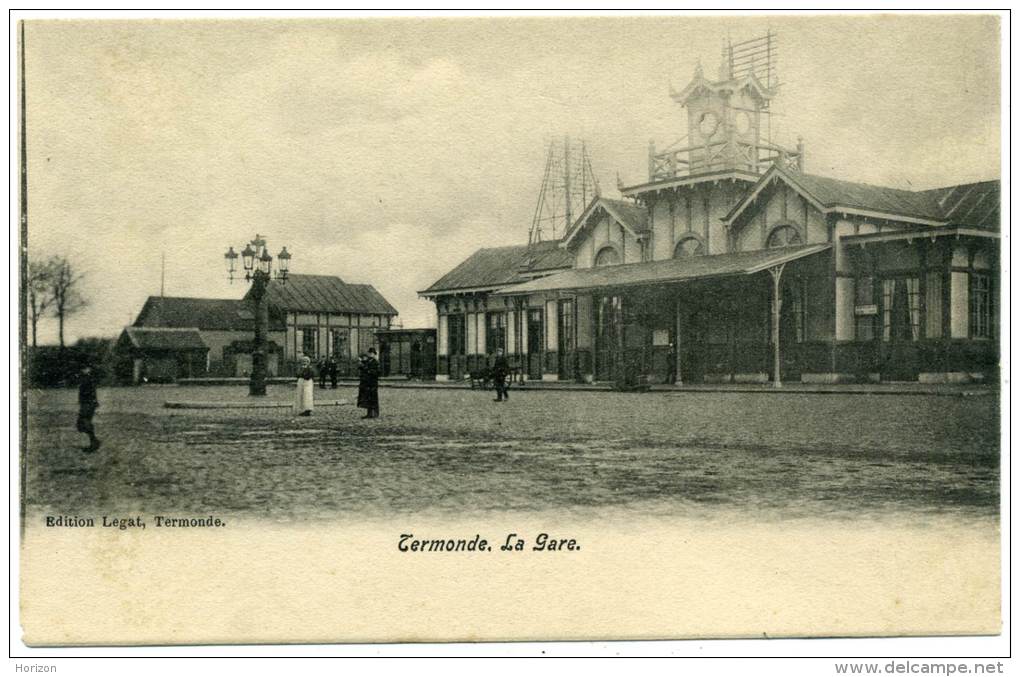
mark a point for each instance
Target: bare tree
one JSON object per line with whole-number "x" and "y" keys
{"x": 40, "y": 292}
{"x": 64, "y": 287}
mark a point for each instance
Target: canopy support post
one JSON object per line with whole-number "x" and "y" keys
{"x": 777, "y": 302}
{"x": 677, "y": 377}
{"x": 520, "y": 303}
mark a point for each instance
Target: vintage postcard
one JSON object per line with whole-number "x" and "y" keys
{"x": 394, "y": 329}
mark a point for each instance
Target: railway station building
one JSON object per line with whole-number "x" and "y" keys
{"x": 731, "y": 263}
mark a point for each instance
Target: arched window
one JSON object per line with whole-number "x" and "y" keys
{"x": 783, "y": 236}
{"x": 607, "y": 256}
{"x": 688, "y": 246}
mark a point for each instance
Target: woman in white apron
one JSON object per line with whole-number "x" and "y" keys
{"x": 304, "y": 395}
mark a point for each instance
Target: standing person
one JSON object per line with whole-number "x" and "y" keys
{"x": 322, "y": 372}
{"x": 88, "y": 402}
{"x": 368, "y": 386}
{"x": 500, "y": 370}
{"x": 333, "y": 369}
{"x": 304, "y": 396}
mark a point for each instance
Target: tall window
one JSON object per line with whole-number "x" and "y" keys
{"x": 495, "y": 336}
{"x": 888, "y": 287}
{"x": 783, "y": 236}
{"x": 308, "y": 342}
{"x": 607, "y": 256}
{"x": 864, "y": 301}
{"x": 799, "y": 288}
{"x": 901, "y": 309}
{"x": 688, "y": 246}
{"x": 609, "y": 334}
{"x": 340, "y": 343}
{"x": 980, "y": 306}
{"x": 536, "y": 330}
{"x": 933, "y": 304}
{"x": 610, "y": 318}
{"x": 455, "y": 339}
{"x": 366, "y": 339}
{"x": 565, "y": 328}
{"x": 914, "y": 306}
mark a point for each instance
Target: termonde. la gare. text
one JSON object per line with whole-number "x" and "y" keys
{"x": 543, "y": 542}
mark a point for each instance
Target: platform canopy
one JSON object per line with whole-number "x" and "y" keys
{"x": 668, "y": 271}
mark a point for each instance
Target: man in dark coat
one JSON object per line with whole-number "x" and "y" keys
{"x": 331, "y": 366}
{"x": 321, "y": 365}
{"x": 88, "y": 402}
{"x": 500, "y": 371}
{"x": 368, "y": 386}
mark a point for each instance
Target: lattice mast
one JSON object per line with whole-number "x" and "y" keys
{"x": 568, "y": 184}
{"x": 758, "y": 57}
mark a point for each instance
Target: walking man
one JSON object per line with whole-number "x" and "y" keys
{"x": 500, "y": 371}
{"x": 88, "y": 402}
{"x": 368, "y": 386}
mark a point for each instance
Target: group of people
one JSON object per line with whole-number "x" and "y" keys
{"x": 368, "y": 384}
{"x": 328, "y": 368}
{"x": 304, "y": 398}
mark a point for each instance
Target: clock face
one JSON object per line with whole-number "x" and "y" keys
{"x": 708, "y": 124}
{"x": 743, "y": 122}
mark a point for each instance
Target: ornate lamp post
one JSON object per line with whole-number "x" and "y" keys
{"x": 258, "y": 270}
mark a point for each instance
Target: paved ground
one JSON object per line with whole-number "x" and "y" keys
{"x": 455, "y": 451}
{"x": 883, "y": 388}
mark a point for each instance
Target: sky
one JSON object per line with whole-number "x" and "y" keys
{"x": 386, "y": 151}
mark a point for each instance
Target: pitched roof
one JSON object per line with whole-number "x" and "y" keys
{"x": 668, "y": 270}
{"x": 631, "y": 216}
{"x": 836, "y": 192}
{"x": 699, "y": 82}
{"x": 205, "y": 314}
{"x": 163, "y": 338}
{"x": 495, "y": 267}
{"x": 970, "y": 204}
{"x": 326, "y": 294}
{"x": 978, "y": 202}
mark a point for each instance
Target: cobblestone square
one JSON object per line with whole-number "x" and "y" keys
{"x": 451, "y": 452}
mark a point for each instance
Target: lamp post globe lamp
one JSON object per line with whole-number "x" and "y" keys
{"x": 231, "y": 259}
{"x": 258, "y": 267}
{"x": 283, "y": 259}
{"x": 248, "y": 256}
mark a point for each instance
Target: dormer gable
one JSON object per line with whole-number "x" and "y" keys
{"x": 631, "y": 217}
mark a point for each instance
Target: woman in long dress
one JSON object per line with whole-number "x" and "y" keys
{"x": 368, "y": 385}
{"x": 304, "y": 395}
